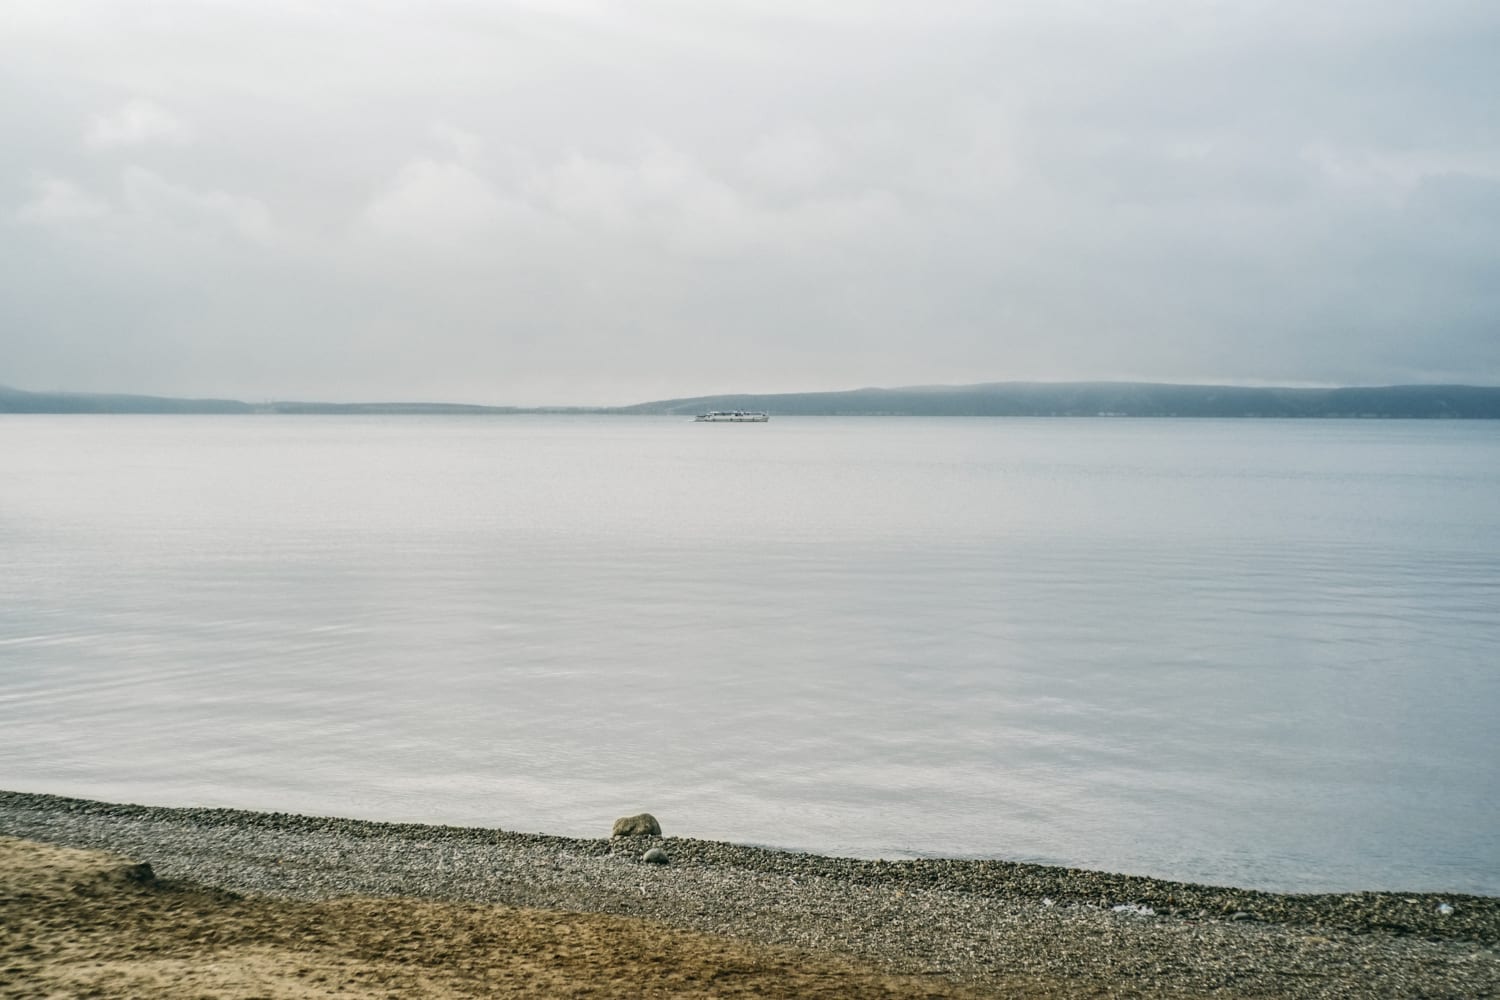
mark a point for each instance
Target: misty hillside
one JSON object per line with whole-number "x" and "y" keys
{"x": 1126, "y": 399}
{"x": 20, "y": 401}
{"x": 1001, "y": 399}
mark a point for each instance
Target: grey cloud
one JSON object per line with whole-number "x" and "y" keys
{"x": 586, "y": 203}
{"x": 136, "y": 123}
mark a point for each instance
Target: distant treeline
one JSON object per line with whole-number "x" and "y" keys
{"x": 18, "y": 401}
{"x": 1001, "y": 399}
{"x": 1118, "y": 399}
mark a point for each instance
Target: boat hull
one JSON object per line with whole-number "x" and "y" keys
{"x": 734, "y": 417}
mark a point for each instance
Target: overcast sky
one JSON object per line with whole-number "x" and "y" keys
{"x": 558, "y": 201}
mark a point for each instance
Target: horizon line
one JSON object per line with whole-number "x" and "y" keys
{"x": 929, "y": 386}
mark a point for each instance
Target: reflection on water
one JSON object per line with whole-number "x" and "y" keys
{"x": 1253, "y": 652}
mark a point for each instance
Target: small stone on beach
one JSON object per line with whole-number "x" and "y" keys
{"x": 644, "y": 825}
{"x": 655, "y": 856}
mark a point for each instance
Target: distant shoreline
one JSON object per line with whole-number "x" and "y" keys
{"x": 1002, "y": 399}
{"x": 1001, "y": 926}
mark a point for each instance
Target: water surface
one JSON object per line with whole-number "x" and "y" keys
{"x": 1253, "y": 652}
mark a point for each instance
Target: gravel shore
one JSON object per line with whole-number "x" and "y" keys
{"x": 1011, "y": 929}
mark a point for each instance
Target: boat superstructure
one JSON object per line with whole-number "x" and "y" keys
{"x": 733, "y": 417}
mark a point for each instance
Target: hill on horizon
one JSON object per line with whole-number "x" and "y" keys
{"x": 1123, "y": 399}
{"x": 990, "y": 399}
{"x": 20, "y": 401}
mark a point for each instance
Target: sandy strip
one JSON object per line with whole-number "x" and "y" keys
{"x": 86, "y": 923}
{"x": 448, "y": 909}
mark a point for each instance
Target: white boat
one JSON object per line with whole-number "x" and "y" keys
{"x": 733, "y": 417}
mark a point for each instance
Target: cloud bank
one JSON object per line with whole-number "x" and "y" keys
{"x": 584, "y": 203}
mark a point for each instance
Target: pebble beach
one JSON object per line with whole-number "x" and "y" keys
{"x": 991, "y": 927}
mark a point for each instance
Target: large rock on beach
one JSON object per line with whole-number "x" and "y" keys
{"x": 644, "y": 825}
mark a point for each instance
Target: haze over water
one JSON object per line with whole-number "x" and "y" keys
{"x": 1260, "y": 653}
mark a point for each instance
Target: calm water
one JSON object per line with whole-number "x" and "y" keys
{"x": 1251, "y": 652}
